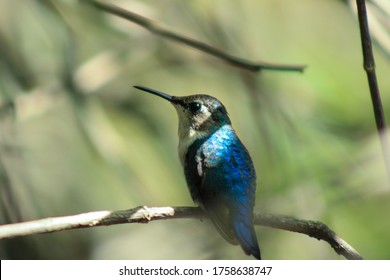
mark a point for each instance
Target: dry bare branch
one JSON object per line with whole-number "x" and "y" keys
{"x": 157, "y": 29}
{"x": 145, "y": 214}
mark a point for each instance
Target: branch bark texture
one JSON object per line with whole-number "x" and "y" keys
{"x": 145, "y": 214}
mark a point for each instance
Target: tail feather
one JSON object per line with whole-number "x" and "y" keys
{"x": 245, "y": 233}
{"x": 234, "y": 224}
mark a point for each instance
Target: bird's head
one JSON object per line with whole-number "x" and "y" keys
{"x": 199, "y": 115}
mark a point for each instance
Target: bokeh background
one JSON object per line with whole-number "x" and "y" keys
{"x": 76, "y": 137}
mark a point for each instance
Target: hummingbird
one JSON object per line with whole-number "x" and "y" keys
{"x": 218, "y": 168}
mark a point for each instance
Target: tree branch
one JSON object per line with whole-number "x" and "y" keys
{"x": 369, "y": 67}
{"x": 153, "y": 27}
{"x": 314, "y": 229}
{"x": 144, "y": 214}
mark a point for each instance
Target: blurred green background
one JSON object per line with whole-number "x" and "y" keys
{"x": 76, "y": 137}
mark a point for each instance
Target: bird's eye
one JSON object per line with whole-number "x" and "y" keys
{"x": 194, "y": 107}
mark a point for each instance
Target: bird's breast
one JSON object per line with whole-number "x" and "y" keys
{"x": 222, "y": 161}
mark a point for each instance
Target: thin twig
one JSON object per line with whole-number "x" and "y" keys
{"x": 153, "y": 27}
{"x": 144, "y": 215}
{"x": 369, "y": 67}
{"x": 314, "y": 229}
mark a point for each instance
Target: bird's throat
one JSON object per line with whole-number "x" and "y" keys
{"x": 187, "y": 136}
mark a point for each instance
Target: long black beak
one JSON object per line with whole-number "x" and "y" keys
{"x": 168, "y": 97}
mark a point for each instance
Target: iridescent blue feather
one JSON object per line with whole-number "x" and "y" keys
{"x": 222, "y": 179}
